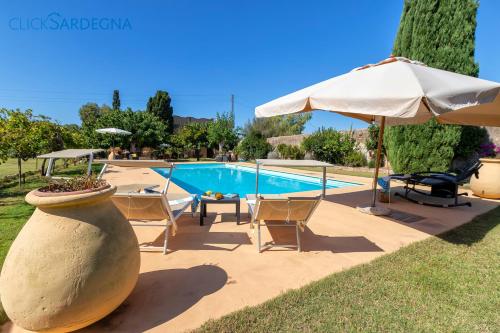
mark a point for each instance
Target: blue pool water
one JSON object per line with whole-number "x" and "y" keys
{"x": 227, "y": 178}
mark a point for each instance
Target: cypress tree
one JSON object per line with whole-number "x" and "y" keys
{"x": 116, "y": 100}
{"x": 441, "y": 34}
{"x": 160, "y": 105}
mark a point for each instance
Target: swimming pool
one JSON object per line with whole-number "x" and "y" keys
{"x": 229, "y": 178}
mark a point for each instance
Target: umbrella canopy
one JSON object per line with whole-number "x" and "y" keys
{"x": 397, "y": 91}
{"x": 403, "y": 91}
{"x": 112, "y": 130}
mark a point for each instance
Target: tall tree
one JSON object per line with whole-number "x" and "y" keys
{"x": 73, "y": 136}
{"x": 221, "y": 132}
{"x": 116, "y": 100}
{"x": 160, "y": 106}
{"x": 441, "y": 34}
{"x": 89, "y": 113}
{"x": 278, "y": 126}
{"x": 23, "y": 136}
{"x": 194, "y": 136}
{"x": 147, "y": 129}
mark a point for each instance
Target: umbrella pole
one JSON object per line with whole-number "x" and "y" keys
{"x": 379, "y": 157}
{"x": 257, "y": 180}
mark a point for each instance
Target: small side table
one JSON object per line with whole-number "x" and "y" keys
{"x": 205, "y": 201}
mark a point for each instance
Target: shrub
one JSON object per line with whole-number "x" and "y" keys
{"x": 372, "y": 163}
{"x": 425, "y": 147}
{"x": 290, "y": 152}
{"x": 329, "y": 145}
{"x": 471, "y": 139}
{"x": 356, "y": 159}
{"x": 253, "y": 146}
{"x": 372, "y": 140}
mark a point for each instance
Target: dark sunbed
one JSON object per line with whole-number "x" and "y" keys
{"x": 442, "y": 184}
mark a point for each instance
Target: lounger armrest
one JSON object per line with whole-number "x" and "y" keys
{"x": 441, "y": 178}
{"x": 430, "y": 173}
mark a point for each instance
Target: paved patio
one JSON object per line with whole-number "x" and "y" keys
{"x": 215, "y": 269}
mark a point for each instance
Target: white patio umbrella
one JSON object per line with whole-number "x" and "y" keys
{"x": 397, "y": 91}
{"x": 113, "y": 131}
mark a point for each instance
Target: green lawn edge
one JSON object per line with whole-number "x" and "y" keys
{"x": 449, "y": 283}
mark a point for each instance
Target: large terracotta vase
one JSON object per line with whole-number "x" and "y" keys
{"x": 488, "y": 183}
{"x": 75, "y": 261}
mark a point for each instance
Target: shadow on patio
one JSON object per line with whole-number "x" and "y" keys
{"x": 427, "y": 219}
{"x": 191, "y": 236}
{"x": 315, "y": 242}
{"x": 160, "y": 296}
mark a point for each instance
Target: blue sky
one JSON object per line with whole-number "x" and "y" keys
{"x": 200, "y": 51}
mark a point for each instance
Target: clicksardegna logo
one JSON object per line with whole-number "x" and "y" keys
{"x": 57, "y": 22}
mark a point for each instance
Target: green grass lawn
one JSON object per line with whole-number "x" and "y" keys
{"x": 14, "y": 212}
{"x": 9, "y": 167}
{"x": 446, "y": 284}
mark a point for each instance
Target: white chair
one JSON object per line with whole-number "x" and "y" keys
{"x": 144, "y": 209}
{"x": 281, "y": 212}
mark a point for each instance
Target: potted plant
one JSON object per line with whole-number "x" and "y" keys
{"x": 488, "y": 183}
{"x": 75, "y": 260}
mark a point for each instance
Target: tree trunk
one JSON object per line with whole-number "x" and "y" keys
{"x": 221, "y": 144}
{"x": 19, "y": 170}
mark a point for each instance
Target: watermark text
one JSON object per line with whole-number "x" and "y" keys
{"x": 57, "y": 22}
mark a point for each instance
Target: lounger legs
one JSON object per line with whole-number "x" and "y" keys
{"x": 258, "y": 236}
{"x": 165, "y": 242}
{"x": 298, "y": 237}
{"x": 259, "y": 239}
{"x": 409, "y": 189}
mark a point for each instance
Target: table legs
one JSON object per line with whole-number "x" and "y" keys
{"x": 238, "y": 213}
{"x": 203, "y": 212}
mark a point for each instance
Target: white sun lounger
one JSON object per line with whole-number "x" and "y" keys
{"x": 281, "y": 212}
{"x": 154, "y": 210}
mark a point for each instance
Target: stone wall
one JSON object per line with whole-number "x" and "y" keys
{"x": 360, "y": 135}
{"x": 293, "y": 140}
